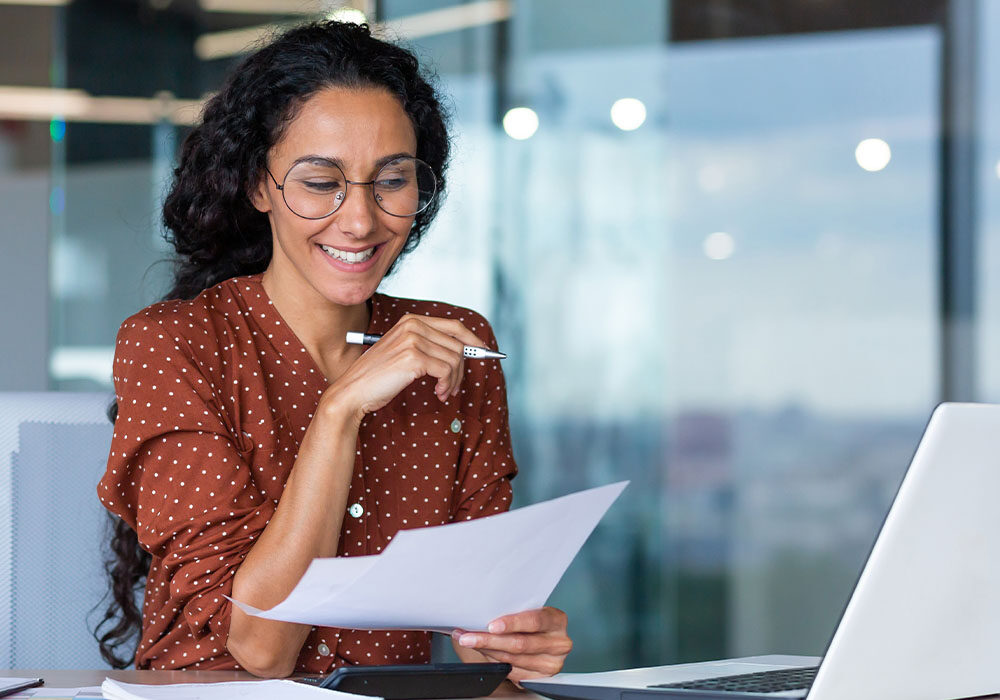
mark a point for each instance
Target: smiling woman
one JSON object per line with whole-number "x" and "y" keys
{"x": 250, "y": 437}
{"x": 363, "y": 132}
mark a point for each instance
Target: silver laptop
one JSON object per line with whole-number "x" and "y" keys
{"x": 923, "y": 622}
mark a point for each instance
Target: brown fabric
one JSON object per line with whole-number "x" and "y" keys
{"x": 214, "y": 395}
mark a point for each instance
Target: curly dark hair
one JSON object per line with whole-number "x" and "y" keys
{"x": 214, "y": 228}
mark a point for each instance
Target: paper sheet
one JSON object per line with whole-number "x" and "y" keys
{"x": 239, "y": 690}
{"x": 50, "y": 693}
{"x": 460, "y": 575}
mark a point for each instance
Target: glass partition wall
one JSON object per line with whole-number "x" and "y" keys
{"x": 711, "y": 249}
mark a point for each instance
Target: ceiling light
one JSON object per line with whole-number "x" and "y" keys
{"x": 233, "y": 42}
{"x": 520, "y": 123}
{"x": 873, "y": 154}
{"x": 719, "y": 245}
{"x": 46, "y": 104}
{"x": 628, "y": 113}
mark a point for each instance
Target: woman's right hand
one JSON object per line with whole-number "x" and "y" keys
{"x": 415, "y": 347}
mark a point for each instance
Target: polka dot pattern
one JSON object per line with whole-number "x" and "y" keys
{"x": 214, "y": 395}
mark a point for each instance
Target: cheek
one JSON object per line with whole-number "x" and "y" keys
{"x": 292, "y": 229}
{"x": 400, "y": 228}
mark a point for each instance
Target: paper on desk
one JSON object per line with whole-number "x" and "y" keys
{"x": 90, "y": 692}
{"x": 46, "y": 692}
{"x": 238, "y": 690}
{"x": 460, "y": 575}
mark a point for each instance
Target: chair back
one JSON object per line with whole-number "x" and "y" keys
{"x": 53, "y": 451}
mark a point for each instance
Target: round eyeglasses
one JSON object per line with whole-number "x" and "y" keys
{"x": 315, "y": 189}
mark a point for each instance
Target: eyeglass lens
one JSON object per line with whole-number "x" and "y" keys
{"x": 402, "y": 187}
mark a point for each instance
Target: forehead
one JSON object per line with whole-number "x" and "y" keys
{"x": 354, "y": 125}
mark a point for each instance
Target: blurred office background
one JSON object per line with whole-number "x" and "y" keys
{"x": 737, "y": 250}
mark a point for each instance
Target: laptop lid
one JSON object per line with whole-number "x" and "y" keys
{"x": 924, "y": 619}
{"x": 923, "y": 622}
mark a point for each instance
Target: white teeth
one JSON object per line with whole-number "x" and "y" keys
{"x": 347, "y": 257}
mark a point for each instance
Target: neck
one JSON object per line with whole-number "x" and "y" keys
{"x": 320, "y": 324}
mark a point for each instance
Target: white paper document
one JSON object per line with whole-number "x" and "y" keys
{"x": 45, "y": 692}
{"x": 89, "y": 692}
{"x": 239, "y": 690}
{"x": 460, "y": 575}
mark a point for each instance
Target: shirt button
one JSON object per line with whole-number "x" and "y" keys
{"x": 323, "y": 650}
{"x": 356, "y": 511}
{"x": 456, "y": 425}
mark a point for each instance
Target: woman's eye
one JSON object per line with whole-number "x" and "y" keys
{"x": 391, "y": 183}
{"x": 323, "y": 186}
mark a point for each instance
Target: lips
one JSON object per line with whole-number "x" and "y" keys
{"x": 347, "y": 256}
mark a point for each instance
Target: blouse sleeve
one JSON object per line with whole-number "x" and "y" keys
{"x": 176, "y": 473}
{"x": 485, "y": 478}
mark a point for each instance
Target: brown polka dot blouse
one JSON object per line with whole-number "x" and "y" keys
{"x": 214, "y": 395}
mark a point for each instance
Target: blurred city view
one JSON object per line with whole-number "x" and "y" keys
{"x": 710, "y": 239}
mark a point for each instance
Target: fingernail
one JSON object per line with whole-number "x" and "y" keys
{"x": 468, "y": 640}
{"x": 497, "y": 627}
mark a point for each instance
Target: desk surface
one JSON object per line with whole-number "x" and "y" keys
{"x": 75, "y": 678}
{"x": 80, "y": 678}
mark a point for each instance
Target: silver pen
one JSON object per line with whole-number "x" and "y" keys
{"x": 356, "y": 338}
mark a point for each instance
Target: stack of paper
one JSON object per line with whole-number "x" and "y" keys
{"x": 242, "y": 690}
{"x": 45, "y": 692}
{"x": 461, "y": 575}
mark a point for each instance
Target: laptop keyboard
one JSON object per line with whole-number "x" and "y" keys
{"x": 762, "y": 682}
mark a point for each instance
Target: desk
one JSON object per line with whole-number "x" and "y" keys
{"x": 70, "y": 678}
{"x": 81, "y": 678}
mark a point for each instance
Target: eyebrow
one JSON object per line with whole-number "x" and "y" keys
{"x": 316, "y": 159}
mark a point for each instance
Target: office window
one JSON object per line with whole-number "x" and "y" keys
{"x": 732, "y": 305}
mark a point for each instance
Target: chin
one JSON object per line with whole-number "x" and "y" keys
{"x": 349, "y": 296}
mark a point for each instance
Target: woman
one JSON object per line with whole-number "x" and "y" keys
{"x": 250, "y": 438}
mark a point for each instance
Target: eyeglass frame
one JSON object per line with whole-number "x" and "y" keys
{"x": 347, "y": 185}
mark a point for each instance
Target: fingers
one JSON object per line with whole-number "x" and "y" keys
{"x": 449, "y": 337}
{"x": 527, "y": 666}
{"x": 534, "y": 642}
{"x": 541, "y": 620}
{"x": 517, "y": 675}
{"x": 439, "y": 361}
{"x": 454, "y": 328}
{"x": 554, "y": 643}
{"x": 415, "y": 347}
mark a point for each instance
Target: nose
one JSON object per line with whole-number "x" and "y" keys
{"x": 357, "y": 214}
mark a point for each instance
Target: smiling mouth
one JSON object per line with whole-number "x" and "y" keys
{"x": 351, "y": 258}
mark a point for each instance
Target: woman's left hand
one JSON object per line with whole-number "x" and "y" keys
{"x": 534, "y": 642}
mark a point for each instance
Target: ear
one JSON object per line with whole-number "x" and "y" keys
{"x": 260, "y": 197}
